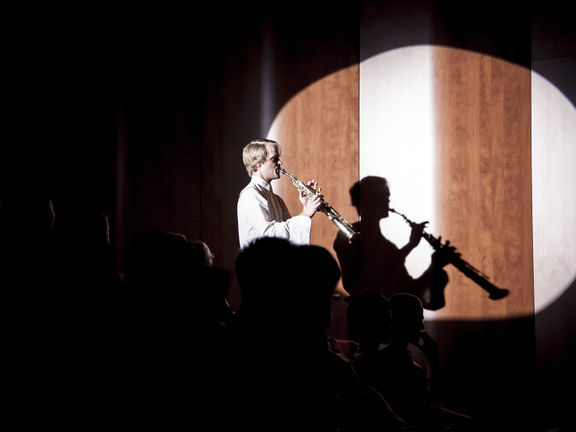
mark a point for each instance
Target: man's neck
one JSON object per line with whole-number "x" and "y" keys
{"x": 262, "y": 178}
{"x": 370, "y": 220}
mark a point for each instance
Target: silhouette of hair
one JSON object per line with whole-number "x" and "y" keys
{"x": 407, "y": 315}
{"x": 371, "y": 189}
{"x": 259, "y": 266}
{"x": 158, "y": 257}
{"x": 203, "y": 252}
{"x": 368, "y": 316}
{"x": 317, "y": 284}
{"x": 324, "y": 270}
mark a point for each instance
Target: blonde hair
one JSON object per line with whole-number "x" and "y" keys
{"x": 255, "y": 153}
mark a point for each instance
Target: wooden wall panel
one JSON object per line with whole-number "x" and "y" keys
{"x": 484, "y": 179}
{"x": 482, "y": 109}
{"x": 318, "y": 132}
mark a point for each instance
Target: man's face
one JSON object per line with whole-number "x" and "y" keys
{"x": 375, "y": 205}
{"x": 269, "y": 168}
{"x": 386, "y": 204}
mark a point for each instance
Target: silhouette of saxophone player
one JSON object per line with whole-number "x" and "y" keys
{"x": 373, "y": 262}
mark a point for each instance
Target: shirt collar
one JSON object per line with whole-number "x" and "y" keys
{"x": 256, "y": 179}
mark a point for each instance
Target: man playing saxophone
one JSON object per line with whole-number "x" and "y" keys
{"x": 262, "y": 213}
{"x": 375, "y": 263}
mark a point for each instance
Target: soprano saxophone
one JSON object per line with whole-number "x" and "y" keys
{"x": 476, "y": 275}
{"x": 343, "y": 225}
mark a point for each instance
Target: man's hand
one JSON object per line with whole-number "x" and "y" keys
{"x": 444, "y": 254}
{"x": 311, "y": 204}
{"x": 416, "y": 234}
{"x": 415, "y": 237}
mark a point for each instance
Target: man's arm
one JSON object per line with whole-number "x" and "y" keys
{"x": 256, "y": 219}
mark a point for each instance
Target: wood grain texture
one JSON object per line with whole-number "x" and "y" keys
{"x": 484, "y": 179}
{"x": 318, "y": 132}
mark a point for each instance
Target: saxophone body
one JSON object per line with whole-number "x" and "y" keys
{"x": 466, "y": 268}
{"x": 343, "y": 225}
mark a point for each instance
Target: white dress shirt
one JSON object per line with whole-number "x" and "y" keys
{"x": 262, "y": 213}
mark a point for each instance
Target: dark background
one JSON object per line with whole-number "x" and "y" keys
{"x": 142, "y": 112}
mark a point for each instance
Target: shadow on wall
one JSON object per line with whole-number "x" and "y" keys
{"x": 518, "y": 370}
{"x": 513, "y": 372}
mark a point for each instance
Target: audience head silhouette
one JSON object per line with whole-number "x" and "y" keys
{"x": 165, "y": 267}
{"x": 159, "y": 258}
{"x": 407, "y": 317}
{"x": 317, "y": 284}
{"x": 268, "y": 273}
{"x": 260, "y": 271}
{"x": 203, "y": 252}
{"x": 368, "y": 318}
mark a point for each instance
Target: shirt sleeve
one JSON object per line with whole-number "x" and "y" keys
{"x": 261, "y": 216}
